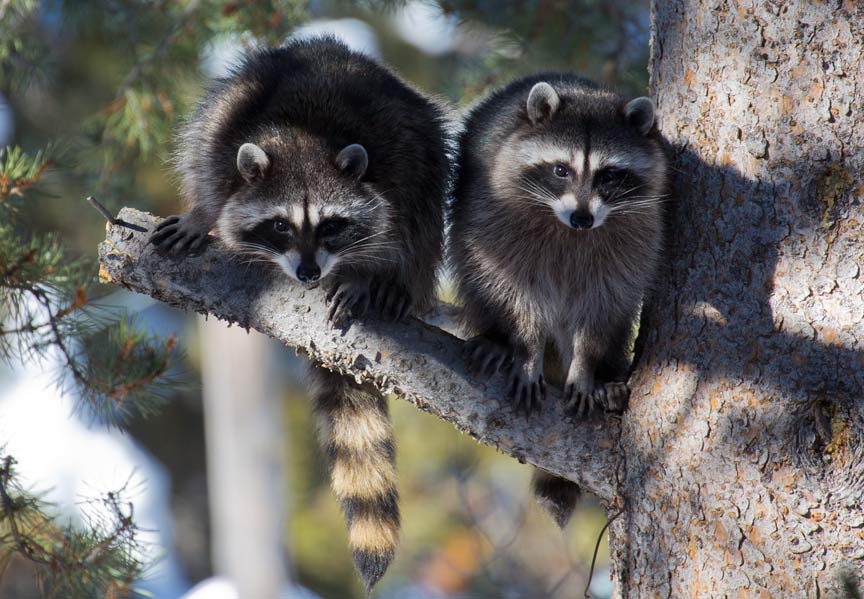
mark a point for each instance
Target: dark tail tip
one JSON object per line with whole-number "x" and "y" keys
{"x": 371, "y": 566}
{"x": 556, "y": 495}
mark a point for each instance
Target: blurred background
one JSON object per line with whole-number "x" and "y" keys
{"x": 89, "y": 95}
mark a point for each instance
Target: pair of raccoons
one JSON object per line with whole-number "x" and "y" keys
{"x": 328, "y": 164}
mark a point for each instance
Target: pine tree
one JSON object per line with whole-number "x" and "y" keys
{"x": 49, "y": 306}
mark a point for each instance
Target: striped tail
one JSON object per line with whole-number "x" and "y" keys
{"x": 556, "y": 495}
{"x": 355, "y": 431}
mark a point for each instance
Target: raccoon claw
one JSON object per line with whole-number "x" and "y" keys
{"x": 580, "y": 403}
{"x": 347, "y": 301}
{"x": 611, "y": 397}
{"x": 179, "y": 235}
{"x": 391, "y": 301}
{"x": 485, "y": 358}
{"x": 527, "y": 394}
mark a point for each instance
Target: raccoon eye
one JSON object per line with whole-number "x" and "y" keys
{"x": 561, "y": 171}
{"x": 331, "y": 227}
{"x": 280, "y": 226}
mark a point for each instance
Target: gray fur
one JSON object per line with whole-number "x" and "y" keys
{"x": 327, "y": 164}
{"x": 344, "y": 137}
{"x": 525, "y": 277}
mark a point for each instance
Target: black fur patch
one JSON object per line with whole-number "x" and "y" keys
{"x": 371, "y": 566}
{"x": 384, "y": 508}
{"x": 617, "y": 183}
{"x": 342, "y": 453}
{"x": 557, "y": 496}
{"x": 265, "y": 234}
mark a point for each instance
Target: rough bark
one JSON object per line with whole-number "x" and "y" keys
{"x": 743, "y": 452}
{"x": 415, "y": 361}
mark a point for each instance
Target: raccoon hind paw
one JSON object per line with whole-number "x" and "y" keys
{"x": 527, "y": 393}
{"x": 484, "y": 357}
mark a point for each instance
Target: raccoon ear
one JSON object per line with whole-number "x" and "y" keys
{"x": 353, "y": 160}
{"x": 543, "y": 101}
{"x": 252, "y": 162}
{"x": 640, "y": 114}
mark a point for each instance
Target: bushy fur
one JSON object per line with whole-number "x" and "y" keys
{"x": 269, "y": 156}
{"x": 557, "y": 227}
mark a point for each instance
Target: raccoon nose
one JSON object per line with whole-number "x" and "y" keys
{"x": 308, "y": 273}
{"x": 581, "y": 220}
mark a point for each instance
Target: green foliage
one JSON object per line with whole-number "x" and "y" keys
{"x": 99, "y": 558}
{"x": 18, "y": 171}
{"x": 45, "y": 305}
{"x": 19, "y": 56}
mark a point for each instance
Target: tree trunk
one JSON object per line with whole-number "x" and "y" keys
{"x": 742, "y": 445}
{"x": 246, "y": 465}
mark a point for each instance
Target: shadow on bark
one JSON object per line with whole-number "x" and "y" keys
{"x": 712, "y": 313}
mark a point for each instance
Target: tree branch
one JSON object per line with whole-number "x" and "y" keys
{"x": 416, "y": 361}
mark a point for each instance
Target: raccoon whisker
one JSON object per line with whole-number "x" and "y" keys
{"x": 634, "y": 205}
{"x": 379, "y": 196}
{"x": 650, "y": 197}
{"x": 258, "y": 253}
{"x": 532, "y": 201}
{"x": 631, "y": 189}
{"x": 635, "y": 212}
{"x": 538, "y": 193}
{"x": 543, "y": 198}
{"x": 366, "y": 247}
{"x": 536, "y": 189}
{"x": 643, "y": 200}
{"x": 355, "y": 243}
{"x": 352, "y": 259}
{"x": 257, "y": 249}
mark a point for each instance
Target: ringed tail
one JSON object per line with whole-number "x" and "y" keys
{"x": 355, "y": 432}
{"x": 556, "y": 495}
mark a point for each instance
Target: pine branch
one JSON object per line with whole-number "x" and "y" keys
{"x": 100, "y": 559}
{"x": 417, "y": 362}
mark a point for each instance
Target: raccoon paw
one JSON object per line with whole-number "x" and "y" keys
{"x": 180, "y": 235}
{"x": 580, "y": 400}
{"x": 484, "y": 357}
{"x": 617, "y": 395}
{"x": 348, "y": 300}
{"x": 391, "y": 301}
{"x": 526, "y": 392}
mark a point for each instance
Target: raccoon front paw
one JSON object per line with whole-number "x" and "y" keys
{"x": 484, "y": 357}
{"x": 180, "y": 235}
{"x": 390, "y": 300}
{"x": 581, "y": 397}
{"x": 611, "y": 397}
{"x": 526, "y": 390}
{"x": 348, "y": 300}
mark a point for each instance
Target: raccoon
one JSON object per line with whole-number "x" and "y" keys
{"x": 325, "y": 163}
{"x": 557, "y": 229}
